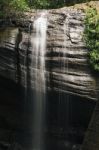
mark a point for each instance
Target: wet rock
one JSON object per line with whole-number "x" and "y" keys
{"x": 76, "y": 147}
{"x": 67, "y": 68}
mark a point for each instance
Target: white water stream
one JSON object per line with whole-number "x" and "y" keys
{"x": 38, "y": 62}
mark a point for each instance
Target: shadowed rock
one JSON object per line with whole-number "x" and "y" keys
{"x": 67, "y": 68}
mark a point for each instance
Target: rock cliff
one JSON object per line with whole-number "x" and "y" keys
{"x": 67, "y": 68}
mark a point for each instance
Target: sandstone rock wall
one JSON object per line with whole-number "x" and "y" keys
{"x": 67, "y": 68}
{"x": 7, "y": 53}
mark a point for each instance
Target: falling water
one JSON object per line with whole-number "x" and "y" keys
{"x": 66, "y": 67}
{"x": 38, "y": 62}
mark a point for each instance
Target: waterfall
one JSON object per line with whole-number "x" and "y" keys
{"x": 63, "y": 58}
{"x": 39, "y": 50}
{"x": 66, "y": 29}
{"x": 38, "y": 75}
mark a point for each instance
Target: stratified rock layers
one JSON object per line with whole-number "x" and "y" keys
{"x": 66, "y": 60}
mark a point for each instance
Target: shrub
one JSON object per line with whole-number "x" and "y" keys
{"x": 91, "y": 36}
{"x": 11, "y": 6}
{"x": 19, "y": 5}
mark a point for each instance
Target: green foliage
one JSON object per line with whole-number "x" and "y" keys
{"x": 7, "y": 6}
{"x": 41, "y": 4}
{"x": 91, "y": 36}
{"x": 19, "y": 4}
{"x": 45, "y": 4}
{"x": 11, "y": 6}
{"x": 50, "y": 4}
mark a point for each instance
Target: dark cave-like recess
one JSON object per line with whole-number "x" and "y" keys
{"x": 67, "y": 117}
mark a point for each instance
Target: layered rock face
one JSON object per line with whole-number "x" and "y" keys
{"x": 66, "y": 60}
{"x": 7, "y": 53}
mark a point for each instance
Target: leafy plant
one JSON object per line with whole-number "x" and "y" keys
{"x": 19, "y": 4}
{"x": 91, "y": 36}
{"x": 11, "y": 6}
{"x": 41, "y": 4}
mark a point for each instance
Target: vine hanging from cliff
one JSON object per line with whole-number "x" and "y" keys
{"x": 91, "y": 36}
